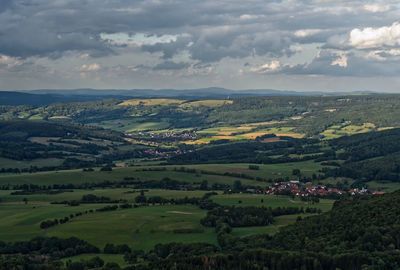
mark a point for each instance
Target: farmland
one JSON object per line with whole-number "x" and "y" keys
{"x": 134, "y": 227}
{"x": 134, "y": 178}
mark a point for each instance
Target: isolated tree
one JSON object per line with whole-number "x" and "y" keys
{"x": 296, "y": 172}
{"x": 237, "y": 186}
{"x": 204, "y": 185}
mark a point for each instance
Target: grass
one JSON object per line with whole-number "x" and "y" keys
{"x": 266, "y": 171}
{"x": 118, "y": 174}
{"x": 270, "y": 229}
{"x": 113, "y": 194}
{"x": 273, "y": 201}
{"x": 139, "y": 228}
{"x": 19, "y": 221}
{"x": 132, "y": 125}
{"x": 347, "y": 128}
{"x": 383, "y": 186}
{"x": 21, "y": 164}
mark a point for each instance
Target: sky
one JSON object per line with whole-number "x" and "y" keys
{"x": 309, "y": 45}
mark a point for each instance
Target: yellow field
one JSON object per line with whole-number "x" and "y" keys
{"x": 253, "y": 135}
{"x": 385, "y": 128}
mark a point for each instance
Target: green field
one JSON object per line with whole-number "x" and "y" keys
{"x": 268, "y": 201}
{"x": 140, "y": 228}
{"x": 112, "y": 193}
{"x": 266, "y": 171}
{"x": 118, "y": 174}
{"x": 21, "y": 164}
{"x": 271, "y": 229}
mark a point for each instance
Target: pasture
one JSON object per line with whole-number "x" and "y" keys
{"x": 117, "y": 175}
{"x": 139, "y": 228}
{"x": 273, "y": 201}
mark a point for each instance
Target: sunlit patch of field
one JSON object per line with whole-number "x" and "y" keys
{"x": 384, "y": 128}
{"x": 222, "y": 137}
{"x": 244, "y": 128}
{"x": 284, "y": 132}
{"x": 224, "y": 133}
{"x": 243, "y": 132}
{"x": 293, "y": 135}
{"x": 36, "y": 117}
{"x": 206, "y": 103}
{"x": 253, "y": 135}
{"x": 346, "y": 128}
{"x": 151, "y": 102}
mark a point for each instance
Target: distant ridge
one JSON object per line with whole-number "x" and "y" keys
{"x": 199, "y": 92}
{"x": 48, "y": 96}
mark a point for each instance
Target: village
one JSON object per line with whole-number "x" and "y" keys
{"x": 184, "y": 135}
{"x": 297, "y": 188}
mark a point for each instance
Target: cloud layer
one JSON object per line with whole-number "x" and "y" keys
{"x": 183, "y": 43}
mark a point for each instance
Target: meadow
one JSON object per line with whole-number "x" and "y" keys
{"x": 139, "y": 228}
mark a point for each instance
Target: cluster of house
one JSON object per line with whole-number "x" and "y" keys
{"x": 184, "y": 135}
{"x": 307, "y": 189}
{"x": 157, "y": 153}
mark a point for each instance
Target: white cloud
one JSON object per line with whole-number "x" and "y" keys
{"x": 374, "y": 8}
{"x": 306, "y": 32}
{"x": 341, "y": 61}
{"x": 369, "y": 37}
{"x": 91, "y": 67}
{"x": 382, "y": 55}
{"x": 10, "y": 62}
{"x": 246, "y": 17}
{"x": 269, "y": 67}
{"x": 138, "y": 39}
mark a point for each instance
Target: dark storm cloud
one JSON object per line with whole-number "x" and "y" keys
{"x": 216, "y": 36}
{"x": 216, "y": 29}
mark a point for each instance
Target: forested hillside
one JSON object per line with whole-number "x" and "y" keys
{"x": 323, "y": 116}
{"x": 59, "y": 145}
{"x": 358, "y": 233}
